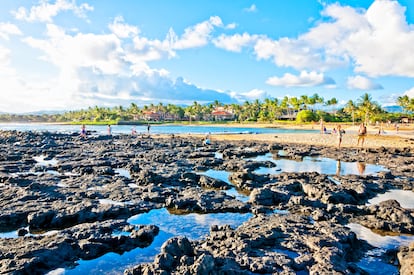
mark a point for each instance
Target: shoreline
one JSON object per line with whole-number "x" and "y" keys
{"x": 391, "y": 139}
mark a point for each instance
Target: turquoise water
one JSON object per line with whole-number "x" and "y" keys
{"x": 192, "y": 226}
{"x": 142, "y": 129}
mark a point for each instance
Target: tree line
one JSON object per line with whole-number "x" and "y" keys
{"x": 302, "y": 109}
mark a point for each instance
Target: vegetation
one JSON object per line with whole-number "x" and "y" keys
{"x": 301, "y": 109}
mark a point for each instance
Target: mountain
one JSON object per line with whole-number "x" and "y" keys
{"x": 393, "y": 109}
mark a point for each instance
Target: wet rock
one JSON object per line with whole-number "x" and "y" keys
{"x": 388, "y": 216}
{"x": 406, "y": 259}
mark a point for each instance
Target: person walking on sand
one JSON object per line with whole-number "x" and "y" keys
{"x": 339, "y": 134}
{"x": 362, "y": 132}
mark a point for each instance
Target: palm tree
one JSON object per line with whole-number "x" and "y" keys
{"x": 404, "y": 102}
{"x": 367, "y": 107}
{"x": 332, "y": 102}
{"x": 350, "y": 109}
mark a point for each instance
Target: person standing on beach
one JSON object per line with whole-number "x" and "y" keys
{"x": 148, "y": 129}
{"x": 322, "y": 127}
{"x": 362, "y": 132}
{"x": 340, "y": 133}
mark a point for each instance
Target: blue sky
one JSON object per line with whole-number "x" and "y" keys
{"x": 66, "y": 54}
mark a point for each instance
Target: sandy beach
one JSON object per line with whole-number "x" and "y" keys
{"x": 390, "y": 139}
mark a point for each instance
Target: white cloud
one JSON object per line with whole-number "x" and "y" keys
{"x": 122, "y": 30}
{"x": 362, "y": 83}
{"x": 7, "y": 29}
{"x": 410, "y": 93}
{"x": 231, "y": 26}
{"x": 196, "y": 36}
{"x": 109, "y": 69}
{"x": 234, "y": 43}
{"x": 252, "y": 8}
{"x": 376, "y": 47}
{"x": 305, "y": 79}
{"x": 44, "y": 12}
{"x": 101, "y": 52}
{"x": 254, "y": 94}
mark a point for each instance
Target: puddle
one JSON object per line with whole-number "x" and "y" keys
{"x": 111, "y": 202}
{"x": 41, "y": 161}
{"x": 224, "y": 176}
{"x": 218, "y": 155}
{"x": 317, "y": 164}
{"x": 390, "y": 241}
{"x": 371, "y": 262}
{"x": 14, "y": 234}
{"x": 193, "y": 226}
{"x": 404, "y": 197}
{"x": 123, "y": 173}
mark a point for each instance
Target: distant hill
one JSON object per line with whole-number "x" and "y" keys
{"x": 393, "y": 109}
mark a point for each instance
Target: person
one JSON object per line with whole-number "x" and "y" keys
{"x": 83, "y": 131}
{"x": 207, "y": 140}
{"x": 338, "y": 168}
{"x": 362, "y": 132}
{"x": 322, "y": 126}
{"x": 339, "y": 135}
{"x": 148, "y": 128}
{"x": 133, "y": 131}
{"x": 361, "y": 167}
{"x": 109, "y": 130}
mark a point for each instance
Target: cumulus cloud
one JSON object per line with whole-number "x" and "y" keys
{"x": 145, "y": 89}
{"x": 112, "y": 69}
{"x": 410, "y": 93}
{"x": 349, "y": 36}
{"x": 234, "y": 43}
{"x": 99, "y": 51}
{"x": 122, "y": 30}
{"x": 305, "y": 79}
{"x": 7, "y": 29}
{"x": 195, "y": 36}
{"x": 362, "y": 83}
{"x": 45, "y": 11}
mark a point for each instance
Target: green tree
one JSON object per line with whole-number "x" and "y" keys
{"x": 366, "y": 107}
{"x": 306, "y": 116}
{"x": 350, "y": 109}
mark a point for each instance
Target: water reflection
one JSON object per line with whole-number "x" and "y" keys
{"x": 404, "y": 197}
{"x": 193, "y": 226}
{"x": 381, "y": 240}
{"x": 361, "y": 167}
{"x": 317, "y": 164}
{"x": 224, "y": 176}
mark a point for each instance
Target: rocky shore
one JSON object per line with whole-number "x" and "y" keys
{"x": 66, "y": 199}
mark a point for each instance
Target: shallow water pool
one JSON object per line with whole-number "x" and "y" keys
{"x": 404, "y": 197}
{"x": 317, "y": 164}
{"x": 193, "y": 226}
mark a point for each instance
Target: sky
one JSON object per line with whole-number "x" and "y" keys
{"x": 62, "y": 55}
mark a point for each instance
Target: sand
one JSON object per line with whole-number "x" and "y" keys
{"x": 391, "y": 139}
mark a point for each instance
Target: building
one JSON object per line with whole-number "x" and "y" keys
{"x": 220, "y": 114}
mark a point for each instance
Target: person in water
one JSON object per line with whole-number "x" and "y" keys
{"x": 83, "y": 131}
